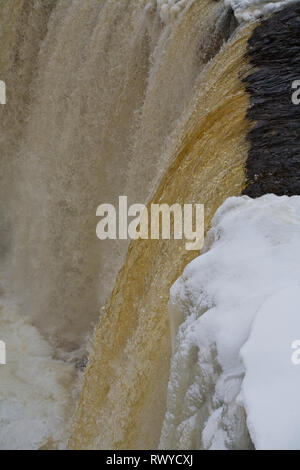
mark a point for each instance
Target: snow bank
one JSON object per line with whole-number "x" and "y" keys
{"x": 245, "y": 10}
{"x": 227, "y": 341}
{"x": 35, "y": 389}
{"x": 271, "y": 386}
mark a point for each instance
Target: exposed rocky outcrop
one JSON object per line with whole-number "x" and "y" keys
{"x": 273, "y": 164}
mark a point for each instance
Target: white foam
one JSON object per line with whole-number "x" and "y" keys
{"x": 168, "y": 10}
{"x": 35, "y": 389}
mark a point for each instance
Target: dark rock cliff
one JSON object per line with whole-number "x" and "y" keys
{"x": 273, "y": 164}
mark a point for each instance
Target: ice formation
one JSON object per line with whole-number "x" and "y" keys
{"x": 245, "y": 10}
{"x": 249, "y": 10}
{"x": 233, "y": 383}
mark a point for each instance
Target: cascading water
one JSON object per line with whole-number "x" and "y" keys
{"x": 104, "y": 98}
{"x": 121, "y": 378}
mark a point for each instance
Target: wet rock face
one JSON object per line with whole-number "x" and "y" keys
{"x": 273, "y": 164}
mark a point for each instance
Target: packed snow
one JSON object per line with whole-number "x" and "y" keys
{"x": 245, "y": 10}
{"x": 234, "y": 374}
{"x": 271, "y": 386}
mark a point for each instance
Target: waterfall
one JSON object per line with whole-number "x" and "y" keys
{"x": 121, "y": 386}
{"x": 106, "y": 98}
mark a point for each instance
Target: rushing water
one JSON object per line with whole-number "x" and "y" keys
{"x": 105, "y": 98}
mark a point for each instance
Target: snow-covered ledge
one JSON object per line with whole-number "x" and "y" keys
{"x": 233, "y": 381}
